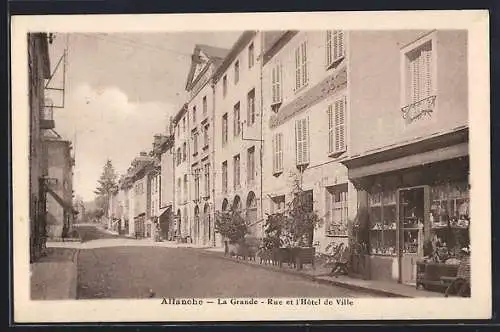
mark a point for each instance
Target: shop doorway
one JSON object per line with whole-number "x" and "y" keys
{"x": 411, "y": 206}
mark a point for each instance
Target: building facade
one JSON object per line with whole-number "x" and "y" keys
{"x": 194, "y": 132}
{"x": 38, "y": 71}
{"x": 238, "y": 134}
{"x": 408, "y": 145}
{"x": 168, "y": 225}
{"x": 305, "y": 98}
{"x": 59, "y": 170}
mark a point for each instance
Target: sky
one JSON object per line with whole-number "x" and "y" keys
{"x": 120, "y": 90}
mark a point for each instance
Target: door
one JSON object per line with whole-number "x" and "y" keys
{"x": 411, "y": 203}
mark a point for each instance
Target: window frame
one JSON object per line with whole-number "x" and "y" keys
{"x": 224, "y": 85}
{"x": 251, "y": 164}
{"x": 276, "y": 84}
{"x": 251, "y": 116}
{"x": 237, "y": 171}
{"x": 277, "y": 153}
{"x": 236, "y": 71}
{"x": 236, "y": 120}
{"x": 333, "y": 57}
{"x": 225, "y": 128}
{"x": 251, "y": 55}
{"x": 224, "y": 176}
{"x": 301, "y": 54}
{"x": 332, "y": 205}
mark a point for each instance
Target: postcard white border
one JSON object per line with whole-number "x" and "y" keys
{"x": 478, "y": 306}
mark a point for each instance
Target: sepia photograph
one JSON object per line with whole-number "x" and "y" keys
{"x": 251, "y": 169}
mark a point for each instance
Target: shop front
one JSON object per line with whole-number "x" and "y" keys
{"x": 414, "y": 203}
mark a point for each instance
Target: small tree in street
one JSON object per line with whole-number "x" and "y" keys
{"x": 105, "y": 186}
{"x": 231, "y": 225}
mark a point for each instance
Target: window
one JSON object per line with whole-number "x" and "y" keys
{"x": 335, "y": 49}
{"x": 251, "y": 56}
{"x": 337, "y": 209}
{"x": 251, "y": 107}
{"x": 178, "y": 189}
{"x": 184, "y": 151}
{"x": 178, "y": 131}
{"x": 179, "y": 156}
{"x": 278, "y": 153}
{"x": 224, "y": 86}
{"x": 276, "y": 84}
{"x": 336, "y": 126}
{"x": 236, "y": 175}
{"x": 185, "y": 187}
{"x": 195, "y": 143}
{"x": 236, "y": 117}
{"x": 207, "y": 180}
{"x": 251, "y": 164}
{"x": 184, "y": 124}
{"x": 194, "y": 115}
{"x": 278, "y": 204}
{"x": 383, "y": 218}
{"x": 205, "y": 135}
{"x": 205, "y": 106}
{"x": 419, "y": 94}
{"x": 236, "y": 72}
{"x": 196, "y": 182}
{"x": 301, "y": 71}
{"x": 302, "y": 141}
{"x": 224, "y": 129}
{"x": 224, "y": 177}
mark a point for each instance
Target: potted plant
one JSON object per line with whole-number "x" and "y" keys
{"x": 233, "y": 228}
{"x": 273, "y": 239}
{"x": 300, "y": 222}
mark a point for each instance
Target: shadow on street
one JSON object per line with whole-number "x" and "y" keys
{"x": 88, "y": 233}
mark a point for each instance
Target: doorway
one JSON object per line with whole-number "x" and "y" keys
{"x": 411, "y": 206}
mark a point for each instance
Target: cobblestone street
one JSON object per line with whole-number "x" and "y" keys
{"x": 130, "y": 272}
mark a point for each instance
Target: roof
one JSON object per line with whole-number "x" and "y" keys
{"x": 212, "y": 51}
{"x": 215, "y": 56}
{"x": 242, "y": 41}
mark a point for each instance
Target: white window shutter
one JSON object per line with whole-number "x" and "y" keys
{"x": 297, "y": 69}
{"x": 278, "y": 83}
{"x": 280, "y": 151}
{"x": 274, "y": 153}
{"x": 305, "y": 78}
{"x": 341, "y": 144}
{"x": 337, "y": 120}
{"x": 273, "y": 84}
{"x": 331, "y": 129}
{"x": 298, "y": 140}
{"x": 328, "y": 47}
{"x": 341, "y": 50}
{"x": 305, "y": 140}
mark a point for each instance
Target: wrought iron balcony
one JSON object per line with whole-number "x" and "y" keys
{"x": 419, "y": 109}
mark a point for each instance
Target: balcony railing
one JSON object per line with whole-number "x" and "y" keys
{"x": 419, "y": 109}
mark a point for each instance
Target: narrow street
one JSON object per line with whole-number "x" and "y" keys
{"x": 130, "y": 272}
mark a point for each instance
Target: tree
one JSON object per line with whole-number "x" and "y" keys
{"x": 231, "y": 225}
{"x": 105, "y": 186}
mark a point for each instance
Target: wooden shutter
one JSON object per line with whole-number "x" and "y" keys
{"x": 278, "y": 82}
{"x": 273, "y": 84}
{"x": 305, "y": 77}
{"x": 427, "y": 59}
{"x": 297, "y": 69}
{"x": 328, "y": 47}
{"x": 298, "y": 142}
{"x": 305, "y": 140}
{"x": 280, "y": 151}
{"x": 340, "y": 125}
{"x": 331, "y": 129}
{"x": 275, "y": 168}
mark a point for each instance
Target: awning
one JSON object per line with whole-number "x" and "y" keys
{"x": 65, "y": 205}
{"x": 420, "y": 151}
{"x": 452, "y": 152}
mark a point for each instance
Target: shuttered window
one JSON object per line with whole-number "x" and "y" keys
{"x": 301, "y": 70}
{"x": 236, "y": 118}
{"x": 251, "y": 107}
{"x": 335, "y": 46}
{"x": 276, "y": 84}
{"x": 337, "y": 126}
{"x": 419, "y": 82}
{"x": 278, "y": 153}
{"x": 236, "y": 171}
{"x": 251, "y": 164}
{"x": 224, "y": 177}
{"x": 302, "y": 141}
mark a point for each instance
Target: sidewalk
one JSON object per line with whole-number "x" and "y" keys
{"x": 320, "y": 275}
{"x": 54, "y": 276}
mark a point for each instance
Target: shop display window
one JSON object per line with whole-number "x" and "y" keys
{"x": 383, "y": 223}
{"x": 449, "y": 219}
{"x": 411, "y": 209}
